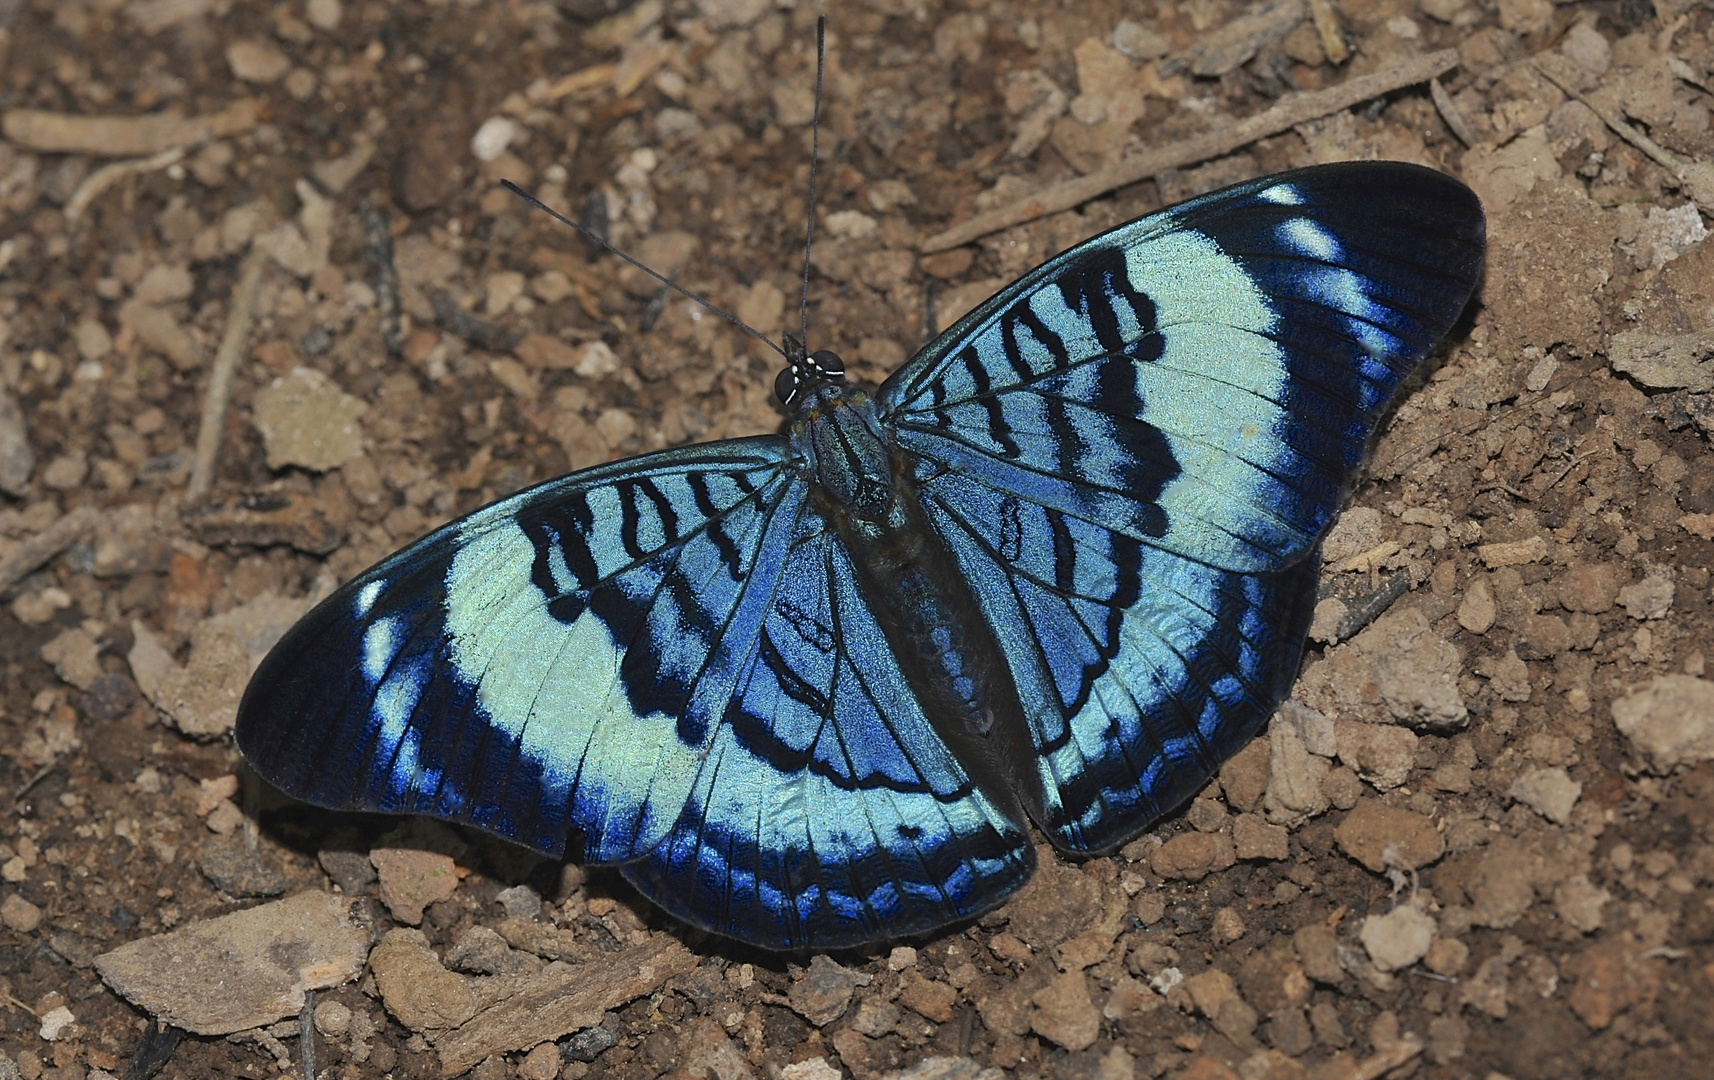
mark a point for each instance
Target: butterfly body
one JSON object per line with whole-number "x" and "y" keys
{"x": 921, "y": 604}
{"x": 816, "y": 689}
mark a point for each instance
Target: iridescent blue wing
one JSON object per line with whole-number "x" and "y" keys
{"x": 882, "y": 832}
{"x": 664, "y": 655}
{"x": 554, "y": 661}
{"x": 1135, "y": 450}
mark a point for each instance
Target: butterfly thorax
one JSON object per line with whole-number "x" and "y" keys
{"x": 838, "y": 436}
{"x": 862, "y": 484}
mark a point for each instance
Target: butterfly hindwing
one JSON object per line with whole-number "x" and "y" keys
{"x": 882, "y": 833}
{"x": 1142, "y": 670}
{"x": 1135, "y": 450}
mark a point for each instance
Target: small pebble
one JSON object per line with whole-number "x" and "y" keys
{"x": 1477, "y": 611}
{"x": 551, "y": 286}
{"x": 815, "y": 1068}
{"x": 93, "y": 340}
{"x": 1650, "y": 598}
{"x": 17, "y": 460}
{"x": 55, "y": 1022}
{"x": 19, "y": 914}
{"x": 824, "y": 991}
{"x": 214, "y": 791}
{"x": 1669, "y": 720}
{"x": 163, "y": 284}
{"x": 1550, "y": 792}
{"x": 411, "y": 880}
{"x": 1228, "y": 926}
{"x": 323, "y": 14}
{"x": 1584, "y": 46}
{"x": 587, "y": 1045}
{"x": 234, "y": 867}
{"x": 1399, "y": 938}
{"x": 305, "y": 419}
{"x": 224, "y": 818}
{"x": 65, "y": 472}
{"x": 1064, "y": 1014}
{"x": 1149, "y": 908}
{"x": 1139, "y": 42}
{"x": 1192, "y": 856}
{"x": 34, "y": 609}
{"x": 1447, "y": 956}
{"x": 493, "y": 137}
{"x": 542, "y": 1063}
{"x": 596, "y": 360}
{"x": 1381, "y": 836}
{"x": 504, "y": 288}
{"x": 332, "y": 1018}
{"x": 257, "y": 61}
{"x": 520, "y": 901}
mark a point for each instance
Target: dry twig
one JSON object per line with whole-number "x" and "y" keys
{"x": 1451, "y": 113}
{"x": 238, "y": 318}
{"x": 378, "y": 239}
{"x": 1333, "y": 43}
{"x": 43, "y": 546}
{"x": 306, "y": 1034}
{"x": 124, "y": 136}
{"x": 580, "y": 83}
{"x": 108, "y": 175}
{"x": 35, "y": 778}
{"x": 16, "y": 1004}
{"x": 1289, "y": 112}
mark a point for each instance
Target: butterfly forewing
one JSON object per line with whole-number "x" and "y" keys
{"x": 1138, "y": 447}
{"x": 532, "y": 668}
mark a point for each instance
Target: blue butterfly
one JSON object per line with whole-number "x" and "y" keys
{"x": 812, "y": 690}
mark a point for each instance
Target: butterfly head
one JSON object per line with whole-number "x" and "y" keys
{"x": 804, "y": 370}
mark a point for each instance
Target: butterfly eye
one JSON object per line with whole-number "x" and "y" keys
{"x": 786, "y": 385}
{"x": 827, "y": 365}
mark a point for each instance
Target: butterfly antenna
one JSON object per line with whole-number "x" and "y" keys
{"x": 814, "y": 163}
{"x": 592, "y": 237}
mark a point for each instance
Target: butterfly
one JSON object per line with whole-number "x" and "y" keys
{"x": 814, "y": 690}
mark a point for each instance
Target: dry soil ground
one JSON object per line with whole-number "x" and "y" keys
{"x": 1480, "y": 841}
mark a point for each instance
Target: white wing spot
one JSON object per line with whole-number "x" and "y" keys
{"x": 395, "y": 701}
{"x": 366, "y": 597}
{"x": 1338, "y": 287}
{"x": 1305, "y": 236}
{"x": 380, "y": 643}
